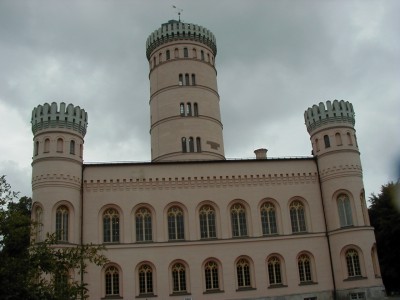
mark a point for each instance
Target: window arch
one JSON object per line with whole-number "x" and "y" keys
{"x": 178, "y": 278}
{"x": 62, "y": 220}
{"x": 160, "y": 58}
{"x": 338, "y": 138}
{"x": 238, "y": 219}
{"x": 211, "y": 276}
{"x": 297, "y": 216}
{"x": 194, "y": 53}
{"x": 176, "y": 53}
{"x": 36, "y": 148}
{"x": 60, "y": 145}
{"x": 191, "y": 144}
{"x": 145, "y": 274}
{"x": 243, "y": 273}
{"x": 198, "y": 144}
{"x": 111, "y": 226}
{"x": 268, "y": 218}
{"x": 182, "y": 109}
{"x": 112, "y": 280}
{"x": 176, "y": 229}
{"x": 349, "y": 139}
{"x": 274, "y": 270}
{"x": 193, "y": 79}
{"x": 167, "y": 55}
{"x": 207, "y": 222}
{"x": 327, "y": 141}
{"x": 143, "y": 225}
{"x": 344, "y": 209}
{"x": 187, "y": 79}
{"x": 188, "y": 109}
{"x": 353, "y": 263}
{"x": 304, "y": 267}
{"x": 184, "y": 146}
{"x": 72, "y": 147}
{"x": 317, "y": 145}
{"x": 46, "y": 146}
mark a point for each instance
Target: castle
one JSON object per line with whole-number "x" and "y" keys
{"x": 191, "y": 224}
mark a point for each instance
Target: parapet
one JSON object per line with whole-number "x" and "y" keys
{"x": 50, "y": 116}
{"x": 175, "y": 30}
{"x": 336, "y": 112}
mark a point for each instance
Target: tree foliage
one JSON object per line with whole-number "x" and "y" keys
{"x": 45, "y": 270}
{"x": 384, "y": 214}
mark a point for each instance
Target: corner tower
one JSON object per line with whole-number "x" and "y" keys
{"x": 184, "y": 102}
{"x": 57, "y": 168}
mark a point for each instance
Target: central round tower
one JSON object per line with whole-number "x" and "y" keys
{"x": 184, "y": 102}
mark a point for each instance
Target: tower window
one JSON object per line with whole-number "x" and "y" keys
{"x": 60, "y": 145}
{"x": 62, "y": 216}
{"x": 176, "y": 53}
{"x": 180, "y": 79}
{"x": 194, "y": 53}
{"x": 36, "y": 150}
{"x": 198, "y": 144}
{"x": 46, "y": 145}
{"x": 185, "y": 52}
{"x": 349, "y": 139}
{"x": 188, "y": 109}
{"x": 327, "y": 141}
{"x": 193, "y": 79}
{"x": 187, "y": 79}
{"x": 72, "y": 147}
{"x": 184, "y": 147}
{"x": 167, "y": 55}
{"x": 182, "y": 109}
{"x": 195, "y": 109}
{"x": 344, "y": 208}
{"x": 159, "y": 57}
{"x": 208, "y": 57}
{"x": 191, "y": 145}
{"x": 338, "y": 138}
{"x": 202, "y": 54}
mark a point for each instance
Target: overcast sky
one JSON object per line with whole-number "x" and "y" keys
{"x": 275, "y": 59}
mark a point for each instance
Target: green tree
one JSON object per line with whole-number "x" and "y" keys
{"x": 384, "y": 214}
{"x": 30, "y": 270}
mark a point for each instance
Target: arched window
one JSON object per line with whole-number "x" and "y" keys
{"x": 167, "y": 55}
{"x": 274, "y": 270}
{"x": 62, "y": 216}
{"x": 297, "y": 217}
{"x": 36, "y": 148}
{"x": 353, "y": 263}
{"x": 145, "y": 279}
{"x": 208, "y": 57}
{"x": 327, "y": 141}
{"x": 182, "y": 109}
{"x": 176, "y": 53}
{"x": 338, "y": 139}
{"x": 344, "y": 208}
{"x": 317, "y": 145}
{"x": 72, "y": 147}
{"x": 60, "y": 145}
{"x": 180, "y": 79}
{"x": 243, "y": 273}
{"x": 194, "y": 53}
{"x": 39, "y": 224}
{"x": 188, "y": 109}
{"x": 143, "y": 225}
{"x": 159, "y": 58}
{"x": 207, "y": 222}
{"x": 238, "y": 219}
{"x": 154, "y": 62}
{"x": 211, "y": 276}
{"x": 304, "y": 264}
{"x": 111, "y": 226}
{"x": 47, "y": 145}
{"x": 191, "y": 144}
{"x": 193, "y": 79}
{"x": 349, "y": 139}
{"x": 187, "y": 79}
{"x": 198, "y": 144}
{"x": 185, "y": 52}
{"x": 112, "y": 281}
{"x": 176, "y": 229}
{"x": 178, "y": 278}
{"x": 184, "y": 147}
{"x": 80, "y": 150}
{"x": 196, "y": 109}
{"x": 202, "y": 54}
{"x": 268, "y": 219}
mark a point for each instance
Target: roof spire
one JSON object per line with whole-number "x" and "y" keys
{"x": 178, "y": 10}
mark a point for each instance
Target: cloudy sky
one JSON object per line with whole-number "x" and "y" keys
{"x": 275, "y": 59}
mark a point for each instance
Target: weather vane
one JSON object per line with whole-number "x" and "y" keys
{"x": 178, "y": 10}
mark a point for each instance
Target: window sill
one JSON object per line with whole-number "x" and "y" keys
{"x": 149, "y": 295}
{"x": 277, "y": 286}
{"x": 113, "y": 297}
{"x": 307, "y": 283}
{"x": 243, "y": 289}
{"x": 355, "y": 278}
{"x": 213, "y": 291}
{"x": 180, "y": 294}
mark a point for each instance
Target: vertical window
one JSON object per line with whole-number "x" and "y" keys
{"x": 349, "y": 139}
{"x": 353, "y": 263}
{"x": 62, "y": 215}
{"x": 194, "y": 53}
{"x": 72, "y": 147}
{"x": 39, "y": 224}
{"x": 36, "y": 148}
{"x": 154, "y": 62}
{"x": 176, "y": 53}
{"x": 317, "y": 144}
{"x": 185, "y": 52}
{"x": 191, "y": 144}
{"x": 188, "y": 109}
{"x": 304, "y": 265}
{"x": 176, "y": 230}
{"x": 243, "y": 273}
{"x": 357, "y": 296}
{"x": 184, "y": 146}
{"x": 180, "y": 79}
{"x": 46, "y": 145}
{"x": 202, "y": 54}
{"x": 145, "y": 280}
{"x": 182, "y": 109}
{"x": 208, "y": 57}
{"x": 178, "y": 278}
{"x": 111, "y": 226}
{"x": 187, "y": 79}
{"x": 81, "y": 150}
{"x": 238, "y": 218}
{"x": 327, "y": 141}
{"x": 143, "y": 225}
{"x": 61, "y": 284}
{"x": 207, "y": 222}
{"x": 159, "y": 58}
{"x": 193, "y": 79}
{"x": 297, "y": 217}
{"x": 60, "y": 145}
{"x": 344, "y": 208}
{"x": 198, "y": 144}
{"x": 338, "y": 138}
{"x": 168, "y": 55}
{"x": 268, "y": 219}
{"x": 196, "y": 109}
{"x": 211, "y": 276}
{"x": 274, "y": 270}
{"x": 112, "y": 281}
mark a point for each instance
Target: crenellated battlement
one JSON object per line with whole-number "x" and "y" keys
{"x": 51, "y": 116}
{"x": 334, "y": 112}
{"x": 178, "y": 30}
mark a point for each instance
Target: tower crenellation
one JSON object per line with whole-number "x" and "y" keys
{"x": 53, "y": 116}
{"x": 334, "y": 112}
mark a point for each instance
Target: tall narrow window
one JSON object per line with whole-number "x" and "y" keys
{"x": 80, "y": 150}
{"x": 188, "y": 109}
{"x": 111, "y": 226}
{"x": 238, "y": 219}
{"x": 36, "y": 150}
{"x": 60, "y": 145}
{"x": 154, "y": 62}
{"x": 268, "y": 219}
{"x": 304, "y": 265}
{"x": 327, "y": 141}
{"x": 202, "y": 54}
{"x": 198, "y": 144}
{"x": 353, "y": 263}
{"x": 338, "y": 139}
{"x": 176, "y": 53}
{"x": 193, "y": 79}
{"x": 145, "y": 279}
{"x": 243, "y": 273}
{"x": 112, "y": 281}
{"x": 180, "y": 79}
{"x": 167, "y": 55}
{"x": 191, "y": 144}
{"x": 207, "y": 222}
{"x": 195, "y": 109}
{"x": 72, "y": 147}
{"x": 211, "y": 276}
{"x": 178, "y": 278}
{"x": 344, "y": 208}
{"x": 159, "y": 58}
{"x": 208, "y": 57}
{"x": 194, "y": 53}
{"x": 185, "y": 52}
{"x": 187, "y": 79}
{"x": 143, "y": 225}
{"x": 317, "y": 144}
{"x": 62, "y": 216}
{"x": 47, "y": 145}
{"x": 297, "y": 217}
{"x": 39, "y": 224}
{"x": 184, "y": 146}
{"x": 349, "y": 139}
{"x": 182, "y": 109}
{"x": 176, "y": 230}
{"x": 274, "y": 270}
